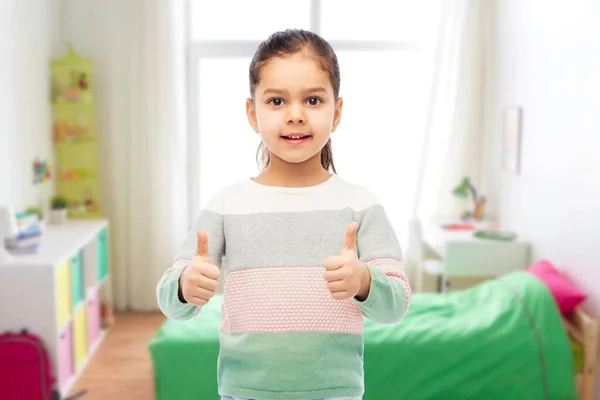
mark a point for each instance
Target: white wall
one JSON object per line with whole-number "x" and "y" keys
{"x": 29, "y": 38}
{"x": 546, "y": 58}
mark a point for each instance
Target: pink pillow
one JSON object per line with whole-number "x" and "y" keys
{"x": 566, "y": 295}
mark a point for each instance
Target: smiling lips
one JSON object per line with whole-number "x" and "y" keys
{"x": 296, "y": 138}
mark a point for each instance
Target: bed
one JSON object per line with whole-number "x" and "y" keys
{"x": 502, "y": 339}
{"x": 583, "y": 332}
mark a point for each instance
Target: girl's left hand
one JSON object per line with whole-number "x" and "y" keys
{"x": 346, "y": 275}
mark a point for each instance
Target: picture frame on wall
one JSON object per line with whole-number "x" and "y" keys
{"x": 512, "y": 139}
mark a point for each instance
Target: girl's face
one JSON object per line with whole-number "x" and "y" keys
{"x": 294, "y": 108}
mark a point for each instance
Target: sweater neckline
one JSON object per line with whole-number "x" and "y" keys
{"x": 288, "y": 189}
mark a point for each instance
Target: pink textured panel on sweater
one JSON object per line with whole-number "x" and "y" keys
{"x": 285, "y": 299}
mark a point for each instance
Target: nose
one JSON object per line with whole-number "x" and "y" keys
{"x": 296, "y": 115}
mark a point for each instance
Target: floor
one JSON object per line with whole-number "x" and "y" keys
{"x": 121, "y": 368}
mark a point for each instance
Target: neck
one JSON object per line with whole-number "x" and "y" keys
{"x": 283, "y": 173}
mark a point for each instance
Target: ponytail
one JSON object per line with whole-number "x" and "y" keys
{"x": 327, "y": 157}
{"x": 263, "y": 158}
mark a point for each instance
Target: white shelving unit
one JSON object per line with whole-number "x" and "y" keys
{"x": 56, "y": 294}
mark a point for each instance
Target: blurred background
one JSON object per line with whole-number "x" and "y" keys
{"x": 475, "y": 122}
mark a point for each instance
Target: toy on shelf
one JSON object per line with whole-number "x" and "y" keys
{"x": 71, "y": 84}
{"x": 74, "y": 135}
{"x": 462, "y": 190}
{"x": 41, "y": 172}
{"x": 65, "y": 132}
{"x": 41, "y": 178}
{"x": 84, "y": 205}
{"x": 73, "y": 175}
{"x": 90, "y": 203}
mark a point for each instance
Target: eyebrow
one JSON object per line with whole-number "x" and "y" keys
{"x": 316, "y": 89}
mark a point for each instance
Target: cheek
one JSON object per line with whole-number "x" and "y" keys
{"x": 321, "y": 120}
{"x": 266, "y": 121}
{"x": 268, "y": 127}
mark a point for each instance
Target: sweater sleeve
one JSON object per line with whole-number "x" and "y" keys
{"x": 167, "y": 290}
{"x": 378, "y": 247}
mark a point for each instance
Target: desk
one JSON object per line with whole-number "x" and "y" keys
{"x": 460, "y": 254}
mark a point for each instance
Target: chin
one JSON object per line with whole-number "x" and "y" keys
{"x": 297, "y": 153}
{"x": 297, "y": 158}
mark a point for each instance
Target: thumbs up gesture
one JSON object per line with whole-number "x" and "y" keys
{"x": 345, "y": 275}
{"x": 199, "y": 280}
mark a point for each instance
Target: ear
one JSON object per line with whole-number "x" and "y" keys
{"x": 337, "y": 116}
{"x": 251, "y": 113}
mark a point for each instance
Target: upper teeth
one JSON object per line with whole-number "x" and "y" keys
{"x": 296, "y": 136}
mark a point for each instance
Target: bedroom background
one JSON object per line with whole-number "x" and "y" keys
{"x": 463, "y": 64}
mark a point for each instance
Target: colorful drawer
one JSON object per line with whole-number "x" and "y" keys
{"x": 93, "y": 318}
{"x": 102, "y": 254}
{"x": 63, "y": 291}
{"x": 65, "y": 354}
{"x": 80, "y": 336}
{"x": 77, "y": 279}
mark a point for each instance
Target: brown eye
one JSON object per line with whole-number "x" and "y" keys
{"x": 275, "y": 102}
{"x": 314, "y": 101}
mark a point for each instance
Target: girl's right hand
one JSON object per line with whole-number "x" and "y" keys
{"x": 198, "y": 281}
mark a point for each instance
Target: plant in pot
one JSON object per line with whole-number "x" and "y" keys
{"x": 58, "y": 210}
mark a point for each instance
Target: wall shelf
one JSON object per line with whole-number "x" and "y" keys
{"x": 75, "y": 135}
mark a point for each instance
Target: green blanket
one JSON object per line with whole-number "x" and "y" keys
{"x": 502, "y": 339}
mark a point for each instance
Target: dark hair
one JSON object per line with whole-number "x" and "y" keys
{"x": 286, "y": 43}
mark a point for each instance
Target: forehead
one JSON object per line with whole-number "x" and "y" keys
{"x": 294, "y": 72}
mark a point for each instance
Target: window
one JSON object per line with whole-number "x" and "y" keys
{"x": 378, "y": 47}
{"x": 377, "y": 142}
{"x": 377, "y": 20}
{"x": 245, "y": 20}
{"x": 227, "y": 143}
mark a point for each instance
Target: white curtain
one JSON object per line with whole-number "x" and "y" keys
{"x": 145, "y": 187}
{"x": 454, "y": 122}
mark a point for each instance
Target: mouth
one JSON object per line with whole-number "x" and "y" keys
{"x": 296, "y": 138}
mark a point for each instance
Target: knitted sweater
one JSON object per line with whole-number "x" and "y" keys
{"x": 282, "y": 335}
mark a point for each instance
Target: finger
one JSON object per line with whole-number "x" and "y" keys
{"x": 202, "y": 293}
{"x": 332, "y": 276}
{"x": 336, "y": 286}
{"x": 210, "y": 271}
{"x": 341, "y": 295}
{"x": 207, "y": 283}
{"x": 203, "y": 273}
{"x": 202, "y": 246}
{"x": 350, "y": 240}
{"x": 197, "y": 301}
{"x": 334, "y": 262}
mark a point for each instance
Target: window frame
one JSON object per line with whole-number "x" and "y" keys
{"x": 198, "y": 49}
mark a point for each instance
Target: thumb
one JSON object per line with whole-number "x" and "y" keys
{"x": 202, "y": 246}
{"x": 350, "y": 240}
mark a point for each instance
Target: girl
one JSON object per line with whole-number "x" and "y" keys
{"x": 308, "y": 253}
